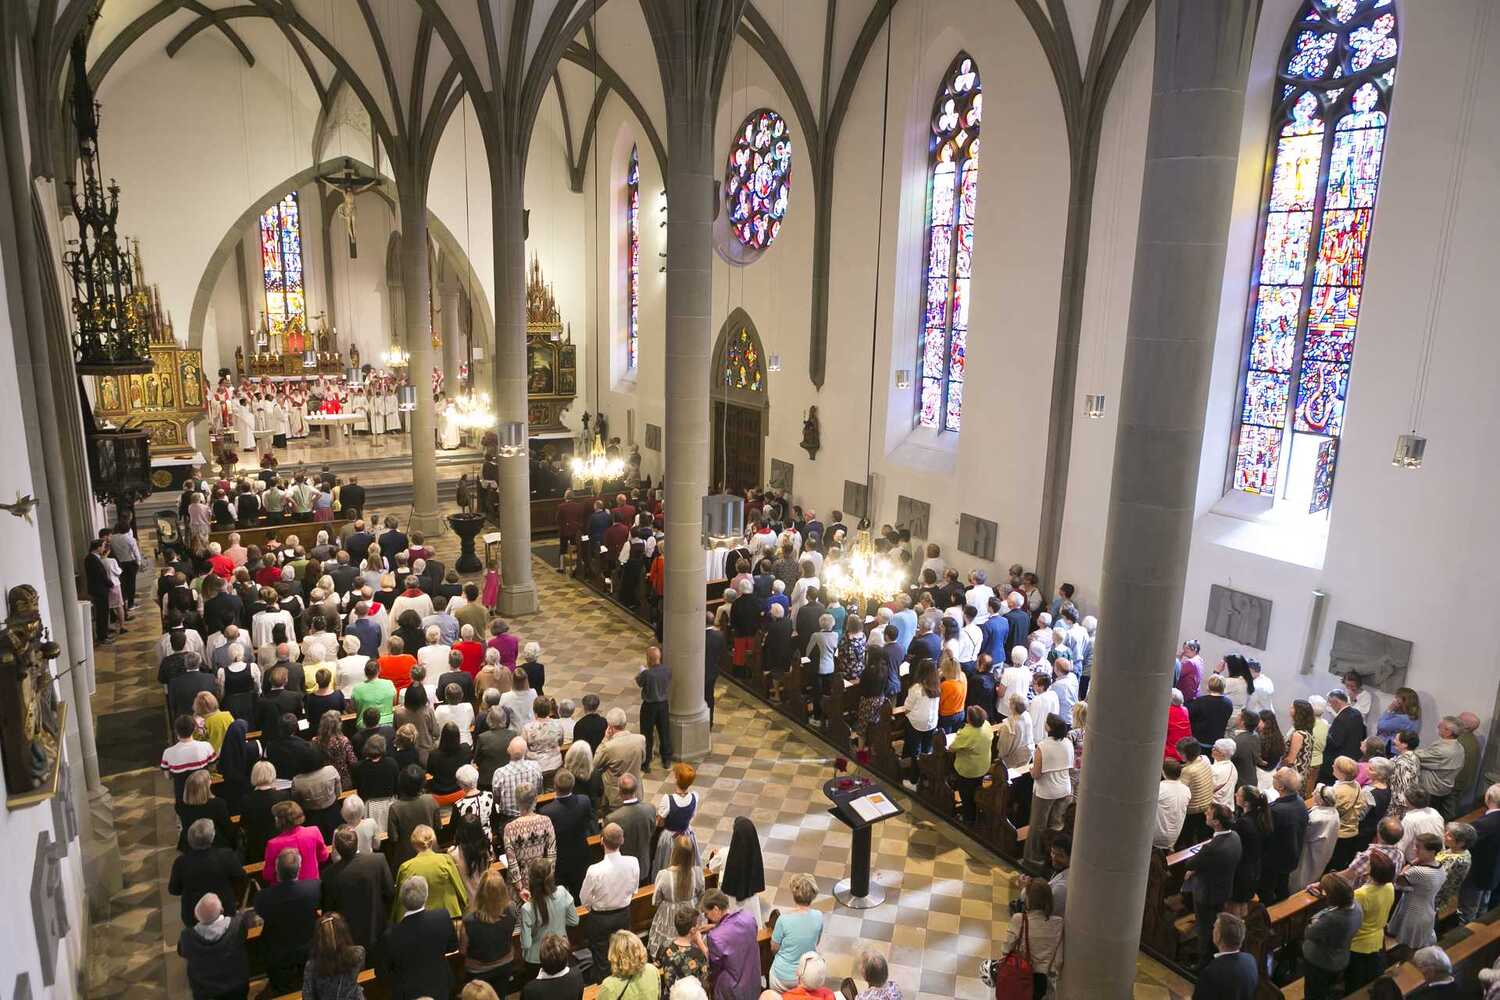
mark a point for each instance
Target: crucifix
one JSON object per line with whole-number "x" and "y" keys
{"x": 349, "y": 184}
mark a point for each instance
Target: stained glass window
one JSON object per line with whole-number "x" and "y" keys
{"x": 952, "y": 196}
{"x": 632, "y": 259}
{"x": 1337, "y": 70}
{"x": 281, "y": 265}
{"x": 758, "y": 178}
{"x": 742, "y": 362}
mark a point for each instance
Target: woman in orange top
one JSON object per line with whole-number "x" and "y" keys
{"x": 953, "y": 689}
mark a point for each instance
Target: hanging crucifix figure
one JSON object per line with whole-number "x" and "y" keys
{"x": 350, "y": 185}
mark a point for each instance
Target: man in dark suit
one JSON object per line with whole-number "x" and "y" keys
{"x": 573, "y": 823}
{"x": 1484, "y": 871}
{"x": 808, "y": 615}
{"x": 1246, "y": 748}
{"x": 1346, "y": 733}
{"x": 1283, "y": 849}
{"x": 358, "y": 886}
{"x": 288, "y": 752}
{"x": 358, "y": 543}
{"x": 995, "y": 632}
{"x": 352, "y": 498}
{"x": 289, "y": 909}
{"x": 777, "y": 643}
{"x": 185, "y": 687}
{"x": 1232, "y": 974}
{"x": 455, "y": 675}
{"x": 716, "y": 658}
{"x": 638, "y": 821}
{"x": 343, "y": 574}
{"x": 279, "y": 700}
{"x": 296, "y": 679}
{"x": 1019, "y": 621}
{"x": 1437, "y": 977}
{"x": 220, "y": 605}
{"x": 1213, "y": 876}
{"x": 367, "y": 630}
{"x": 1209, "y": 713}
{"x": 96, "y": 579}
{"x": 414, "y": 958}
{"x": 391, "y": 541}
{"x": 203, "y": 869}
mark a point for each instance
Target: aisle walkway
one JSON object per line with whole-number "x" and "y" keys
{"x": 944, "y": 909}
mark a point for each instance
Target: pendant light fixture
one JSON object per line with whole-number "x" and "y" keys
{"x": 596, "y": 466}
{"x": 861, "y": 576}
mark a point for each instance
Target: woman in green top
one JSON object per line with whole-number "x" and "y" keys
{"x": 446, "y": 889}
{"x": 548, "y": 910}
{"x": 632, "y": 977}
{"x": 971, "y": 759}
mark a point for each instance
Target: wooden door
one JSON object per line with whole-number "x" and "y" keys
{"x": 736, "y": 448}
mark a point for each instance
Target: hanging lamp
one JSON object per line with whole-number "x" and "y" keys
{"x": 861, "y": 575}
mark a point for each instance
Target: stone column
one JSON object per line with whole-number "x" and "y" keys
{"x": 689, "y": 336}
{"x": 1202, "y": 60}
{"x": 517, "y": 591}
{"x": 418, "y": 329}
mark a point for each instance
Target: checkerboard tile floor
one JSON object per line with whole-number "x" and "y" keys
{"x": 945, "y": 898}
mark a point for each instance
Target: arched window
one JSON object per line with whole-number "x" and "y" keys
{"x": 742, "y": 365}
{"x": 1332, "y": 103}
{"x": 952, "y": 194}
{"x": 632, "y": 259}
{"x": 281, "y": 265}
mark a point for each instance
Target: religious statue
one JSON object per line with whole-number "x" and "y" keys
{"x": 28, "y": 706}
{"x": 239, "y": 363}
{"x": 349, "y": 185}
{"x": 811, "y": 440}
{"x": 353, "y": 356}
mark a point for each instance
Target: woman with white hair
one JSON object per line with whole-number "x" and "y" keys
{"x": 1321, "y": 837}
{"x": 350, "y": 668}
{"x": 812, "y": 974}
{"x": 1016, "y": 678}
{"x": 356, "y": 816}
{"x": 475, "y": 801}
{"x": 536, "y": 672}
{"x": 433, "y": 655}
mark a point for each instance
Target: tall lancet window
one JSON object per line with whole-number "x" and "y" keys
{"x": 952, "y": 194}
{"x": 281, "y": 267}
{"x": 1333, "y": 95}
{"x": 632, "y": 260}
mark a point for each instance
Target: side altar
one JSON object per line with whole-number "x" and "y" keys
{"x": 551, "y": 358}
{"x": 167, "y": 400}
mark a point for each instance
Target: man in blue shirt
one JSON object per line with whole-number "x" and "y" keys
{"x": 905, "y": 620}
{"x": 367, "y": 629}
{"x": 995, "y": 631}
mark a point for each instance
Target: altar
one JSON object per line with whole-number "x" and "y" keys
{"x": 166, "y": 401}
{"x": 551, "y": 358}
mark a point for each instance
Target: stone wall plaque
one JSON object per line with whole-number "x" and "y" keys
{"x": 1378, "y": 658}
{"x": 781, "y": 476}
{"x": 913, "y": 515}
{"x": 977, "y": 536}
{"x": 49, "y": 904}
{"x": 653, "y": 437}
{"x": 856, "y": 499}
{"x": 1239, "y": 617}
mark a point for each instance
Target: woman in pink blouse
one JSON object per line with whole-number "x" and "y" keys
{"x": 305, "y": 840}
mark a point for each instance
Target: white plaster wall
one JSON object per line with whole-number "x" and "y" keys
{"x": 27, "y": 549}
{"x": 1401, "y": 545}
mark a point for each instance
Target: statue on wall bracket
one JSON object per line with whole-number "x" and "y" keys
{"x": 30, "y": 724}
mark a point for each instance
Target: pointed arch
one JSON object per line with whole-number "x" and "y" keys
{"x": 1328, "y": 126}
{"x": 952, "y": 197}
{"x": 738, "y": 372}
{"x": 739, "y": 404}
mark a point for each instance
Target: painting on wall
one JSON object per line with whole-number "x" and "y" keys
{"x": 1382, "y": 660}
{"x": 781, "y": 476}
{"x": 1239, "y": 617}
{"x": 856, "y": 498}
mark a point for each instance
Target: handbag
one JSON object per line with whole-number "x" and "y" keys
{"x": 1014, "y": 976}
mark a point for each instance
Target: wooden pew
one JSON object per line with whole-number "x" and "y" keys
{"x": 306, "y": 532}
